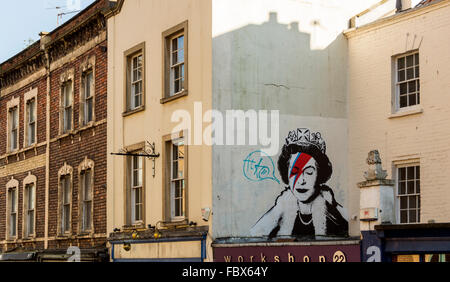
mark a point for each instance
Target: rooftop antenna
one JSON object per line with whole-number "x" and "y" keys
{"x": 60, "y": 15}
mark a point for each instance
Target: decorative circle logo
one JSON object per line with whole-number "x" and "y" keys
{"x": 339, "y": 257}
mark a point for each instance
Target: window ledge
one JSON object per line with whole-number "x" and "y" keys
{"x": 175, "y": 223}
{"x": 13, "y": 153}
{"x": 130, "y": 112}
{"x": 408, "y": 112}
{"x": 128, "y": 228}
{"x": 63, "y": 237}
{"x": 66, "y": 134}
{"x": 174, "y": 97}
{"x": 85, "y": 235}
{"x": 87, "y": 126}
{"x": 29, "y": 147}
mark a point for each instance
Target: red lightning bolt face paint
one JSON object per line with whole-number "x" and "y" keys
{"x": 299, "y": 164}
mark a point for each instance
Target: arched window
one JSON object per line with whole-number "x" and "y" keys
{"x": 65, "y": 200}
{"x": 29, "y": 206}
{"x": 86, "y": 196}
{"x": 12, "y": 188}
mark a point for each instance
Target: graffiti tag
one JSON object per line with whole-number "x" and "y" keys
{"x": 258, "y": 166}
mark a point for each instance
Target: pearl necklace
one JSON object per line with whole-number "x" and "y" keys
{"x": 304, "y": 223}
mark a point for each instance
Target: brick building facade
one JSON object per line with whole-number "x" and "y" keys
{"x": 53, "y": 143}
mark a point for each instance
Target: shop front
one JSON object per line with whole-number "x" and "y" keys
{"x": 428, "y": 242}
{"x": 314, "y": 251}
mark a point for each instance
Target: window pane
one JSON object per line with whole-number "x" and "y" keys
{"x": 181, "y": 43}
{"x": 416, "y": 58}
{"x": 403, "y": 216}
{"x": 410, "y": 73}
{"x": 409, "y": 60}
{"x": 403, "y": 88}
{"x": 66, "y": 187}
{"x": 413, "y": 216}
{"x": 403, "y": 203}
{"x": 175, "y": 170}
{"x": 68, "y": 118}
{"x": 401, "y": 75}
{"x": 417, "y": 186}
{"x": 87, "y": 185}
{"x": 137, "y": 213}
{"x": 417, "y": 72}
{"x": 30, "y": 229}
{"x": 31, "y": 110}
{"x": 180, "y": 56}
{"x": 174, "y": 44}
{"x": 412, "y": 202}
{"x": 412, "y": 99}
{"x": 13, "y": 224}
{"x": 30, "y": 196}
{"x": 87, "y": 215}
{"x": 410, "y": 173}
{"x": 402, "y": 173}
{"x": 402, "y": 188}
{"x": 12, "y": 196}
{"x": 403, "y": 101}
{"x": 66, "y": 217}
{"x": 88, "y": 110}
{"x": 412, "y": 86}
{"x": 177, "y": 207}
{"x": 177, "y": 189}
{"x": 31, "y": 133}
{"x": 174, "y": 58}
{"x": 410, "y": 187}
{"x": 401, "y": 63}
{"x": 417, "y": 172}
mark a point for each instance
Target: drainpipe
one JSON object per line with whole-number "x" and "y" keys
{"x": 44, "y": 41}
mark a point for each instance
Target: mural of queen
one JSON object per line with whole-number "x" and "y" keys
{"x": 306, "y": 207}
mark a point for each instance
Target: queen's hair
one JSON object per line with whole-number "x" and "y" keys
{"x": 324, "y": 168}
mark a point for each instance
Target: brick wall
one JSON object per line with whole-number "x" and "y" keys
{"x": 72, "y": 149}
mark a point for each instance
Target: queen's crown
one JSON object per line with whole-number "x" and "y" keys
{"x": 303, "y": 136}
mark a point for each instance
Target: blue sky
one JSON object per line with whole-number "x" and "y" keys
{"x": 22, "y": 20}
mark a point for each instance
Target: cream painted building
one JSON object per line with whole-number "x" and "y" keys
{"x": 398, "y": 104}
{"x": 145, "y": 86}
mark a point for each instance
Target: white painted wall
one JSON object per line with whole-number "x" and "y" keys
{"x": 286, "y": 55}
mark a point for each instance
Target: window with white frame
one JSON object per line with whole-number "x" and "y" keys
{"x": 30, "y": 122}
{"x": 408, "y": 193}
{"x": 175, "y": 52}
{"x": 66, "y": 106}
{"x": 177, "y": 180}
{"x": 86, "y": 190}
{"x": 29, "y": 209}
{"x": 177, "y": 64}
{"x": 87, "y": 97}
{"x": 12, "y": 208}
{"x": 13, "y": 128}
{"x": 136, "y": 81}
{"x": 65, "y": 203}
{"x": 136, "y": 189}
{"x": 408, "y": 80}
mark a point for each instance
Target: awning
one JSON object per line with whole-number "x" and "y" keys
{"x": 17, "y": 256}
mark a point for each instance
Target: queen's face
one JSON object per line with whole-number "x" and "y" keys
{"x": 302, "y": 175}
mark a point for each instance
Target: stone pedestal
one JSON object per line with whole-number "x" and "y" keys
{"x": 376, "y": 195}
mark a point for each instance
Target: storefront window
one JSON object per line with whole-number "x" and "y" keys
{"x": 421, "y": 258}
